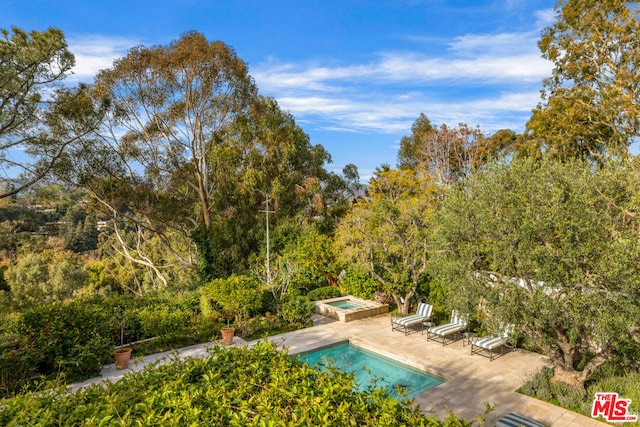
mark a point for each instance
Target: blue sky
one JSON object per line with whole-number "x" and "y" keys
{"x": 355, "y": 74}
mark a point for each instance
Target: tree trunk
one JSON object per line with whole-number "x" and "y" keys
{"x": 571, "y": 377}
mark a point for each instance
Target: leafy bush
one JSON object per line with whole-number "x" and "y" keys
{"x": 42, "y": 278}
{"x": 298, "y": 310}
{"x": 16, "y": 362}
{"x": 325, "y": 292}
{"x": 580, "y": 400}
{"x": 539, "y": 386}
{"x": 305, "y": 281}
{"x": 359, "y": 284}
{"x": 237, "y": 296}
{"x": 626, "y": 384}
{"x": 72, "y": 338}
{"x": 167, "y": 323}
{"x": 233, "y": 387}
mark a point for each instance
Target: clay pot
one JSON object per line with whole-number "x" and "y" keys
{"x": 123, "y": 355}
{"x": 227, "y": 335}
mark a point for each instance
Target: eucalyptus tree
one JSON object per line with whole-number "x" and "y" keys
{"x": 591, "y": 103}
{"x": 451, "y": 153}
{"x": 35, "y": 109}
{"x": 386, "y": 232}
{"x": 552, "y": 247}
{"x": 187, "y": 153}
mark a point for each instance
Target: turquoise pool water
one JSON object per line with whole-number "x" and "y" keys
{"x": 344, "y": 304}
{"x": 368, "y": 366}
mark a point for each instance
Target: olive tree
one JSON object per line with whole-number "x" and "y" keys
{"x": 553, "y": 248}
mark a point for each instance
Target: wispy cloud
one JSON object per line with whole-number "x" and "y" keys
{"x": 386, "y": 94}
{"x": 94, "y": 53}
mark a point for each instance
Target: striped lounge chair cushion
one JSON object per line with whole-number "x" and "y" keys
{"x": 490, "y": 342}
{"x": 409, "y": 320}
{"x": 515, "y": 420}
{"x": 446, "y": 329}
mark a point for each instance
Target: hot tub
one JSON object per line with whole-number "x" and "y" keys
{"x": 347, "y": 308}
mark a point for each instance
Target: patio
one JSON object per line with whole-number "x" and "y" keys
{"x": 471, "y": 382}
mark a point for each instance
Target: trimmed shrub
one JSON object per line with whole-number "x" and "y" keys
{"x": 16, "y": 362}
{"x": 167, "y": 323}
{"x": 70, "y": 338}
{"x": 298, "y": 310}
{"x": 325, "y": 292}
{"x": 237, "y": 297}
{"x": 359, "y": 284}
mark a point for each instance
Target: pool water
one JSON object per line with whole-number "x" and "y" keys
{"x": 368, "y": 366}
{"x": 344, "y": 304}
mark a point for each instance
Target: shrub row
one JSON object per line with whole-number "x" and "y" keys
{"x": 232, "y": 387}
{"x": 77, "y": 338}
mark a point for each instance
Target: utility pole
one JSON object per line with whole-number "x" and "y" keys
{"x": 267, "y": 212}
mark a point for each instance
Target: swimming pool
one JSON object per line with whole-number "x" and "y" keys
{"x": 368, "y": 365}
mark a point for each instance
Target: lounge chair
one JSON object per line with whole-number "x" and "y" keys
{"x": 422, "y": 316}
{"x": 442, "y": 333}
{"x": 486, "y": 346}
{"x": 515, "y": 420}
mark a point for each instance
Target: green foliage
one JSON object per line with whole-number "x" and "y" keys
{"x": 70, "y": 338}
{"x": 314, "y": 260}
{"x": 45, "y": 277}
{"x": 591, "y": 102}
{"x": 386, "y": 233}
{"x": 237, "y": 296}
{"x": 626, "y": 384}
{"x": 297, "y": 310}
{"x": 163, "y": 321}
{"x": 580, "y": 399}
{"x": 16, "y": 361}
{"x": 520, "y": 235}
{"x": 233, "y": 387}
{"x": 325, "y": 292}
{"x": 449, "y": 154}
{"x": 206, "y": 262}
{"x": 359, "y": 284}
{"x": 80, "y": 230}
{"x": 32, "y": 63}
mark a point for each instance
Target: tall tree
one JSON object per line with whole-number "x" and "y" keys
{"x": 150, "y": 163}
{"x": 450, "y": 153}
{"x": 34, "y": 107}
{"x": 386, "y": 232}
{"x": 591, "y": 103}
{"x": 188, "y": 147}
{"x": 553, "y": 248}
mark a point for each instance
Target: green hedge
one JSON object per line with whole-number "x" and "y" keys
{"x": 16, "y": 362}
{"x": 324, "y": 292}
{"x": 71, "y": 338}
{"x": 232, "y": 387}
{"x": 298, "y": 310}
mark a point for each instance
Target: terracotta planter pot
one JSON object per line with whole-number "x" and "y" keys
{"x": 227, "y": 335}
{"x": 123, "y": 355}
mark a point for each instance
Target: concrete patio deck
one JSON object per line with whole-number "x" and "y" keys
{"x": 472, "y": 381}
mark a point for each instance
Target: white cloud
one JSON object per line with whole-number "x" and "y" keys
{"x": 483, "y": 58}
{"x": 491, "y": 80}
{"x": 94, "y": 53}
{"x": 545, "y": 17}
